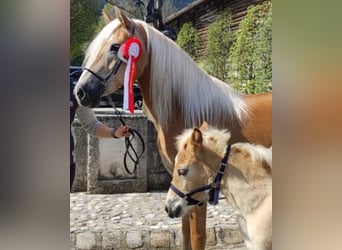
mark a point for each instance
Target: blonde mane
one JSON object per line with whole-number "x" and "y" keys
{"x": 177, "y": 80}
{"x": 258, "y": 152}
{"x": 215, "y": 139}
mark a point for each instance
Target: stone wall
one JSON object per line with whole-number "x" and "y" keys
{"x": 220, "y": 237}
{"x": 99, "y": 162}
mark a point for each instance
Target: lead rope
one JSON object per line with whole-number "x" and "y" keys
{"x": 130, "y": 150}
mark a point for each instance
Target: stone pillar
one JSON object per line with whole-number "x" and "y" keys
{"x": 80, "y": 157}
{"x": 99, "y": 162}
{"x": 106, "y": 172}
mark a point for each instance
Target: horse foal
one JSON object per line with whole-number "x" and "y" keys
{"x": 246, "y": 181}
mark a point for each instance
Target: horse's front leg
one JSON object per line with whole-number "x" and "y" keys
{"x": 197, "y": 219}
{"x": 186, "y": 241}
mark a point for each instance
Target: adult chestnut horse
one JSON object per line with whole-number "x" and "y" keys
{"x": 177, "y": 94}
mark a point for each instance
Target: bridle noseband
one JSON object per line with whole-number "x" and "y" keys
{"x": 214, "y": 187}
{"x": 114, "y": 71}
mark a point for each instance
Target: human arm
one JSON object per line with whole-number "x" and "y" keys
{"x": 104, "y": 131}
{"x": 94, "y": 127}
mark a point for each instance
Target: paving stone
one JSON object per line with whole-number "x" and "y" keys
{"x": 85, "y": 241}
{"x": 161, "y": 238}
{"x": 107, "y": 241}
{"x": 178, "y": 235}
{"x": 72, "y": 241}
{"x": 117, "y": 239}
{"x": 134, "y": 239}
{"x": 231, "y": 235}
{"x": 211, "y": 237}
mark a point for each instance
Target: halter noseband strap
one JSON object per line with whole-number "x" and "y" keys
{"x": 213, "y": 187}
{"x": 187, "y": 196}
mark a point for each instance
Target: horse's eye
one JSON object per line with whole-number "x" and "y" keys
{"x": 182, "y": 171}
{"x": 115, "y": 47}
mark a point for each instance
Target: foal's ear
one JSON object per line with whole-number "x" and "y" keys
{"x": 125, "y": 21}
{"x": 196, "y": 136}
{"x": 204, "y": 126}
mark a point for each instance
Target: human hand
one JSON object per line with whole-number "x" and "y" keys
{"x": 122, "y": 131}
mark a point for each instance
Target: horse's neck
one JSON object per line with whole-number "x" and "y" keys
{"x": 165, "y": 146}
{"x": 181, "y": 92}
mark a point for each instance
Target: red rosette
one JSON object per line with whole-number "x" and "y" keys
{"x": 131, "y": 51}
{"x": 131, "y": 44}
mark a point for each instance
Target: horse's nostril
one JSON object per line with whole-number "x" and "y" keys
{"x": 80, "y": 94}
{"x": 166, "y": 209}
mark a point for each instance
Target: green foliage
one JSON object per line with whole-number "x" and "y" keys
{"x": 220, "y": 39}
{"x": 86, "y": 20}
{"x": 84, "y": 15}
{"x": 188, "y": 40}
{"x": 251, "y": 53}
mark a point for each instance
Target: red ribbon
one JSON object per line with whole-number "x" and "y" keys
{"x": 131, "y": 51}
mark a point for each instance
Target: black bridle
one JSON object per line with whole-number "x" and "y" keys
{"x": 114, "y": 71}
{"x": 214, "y": 187}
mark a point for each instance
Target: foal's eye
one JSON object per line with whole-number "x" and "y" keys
{"x": 182, "y": 171}
{"x": 115, "y": 47}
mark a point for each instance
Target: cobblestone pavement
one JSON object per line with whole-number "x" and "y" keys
{"x": 138, "y": 221}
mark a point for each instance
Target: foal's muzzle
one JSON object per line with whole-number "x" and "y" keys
{"x": 173, "y": 213}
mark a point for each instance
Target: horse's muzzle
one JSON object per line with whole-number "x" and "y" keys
{"x": 89, "y": 95}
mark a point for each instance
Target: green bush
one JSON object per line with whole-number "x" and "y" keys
{"x": 84, "y": 15}
{"x": 220, "y": 39}
{"x": 188, "y": 40}
{"x": 250, "y": 55}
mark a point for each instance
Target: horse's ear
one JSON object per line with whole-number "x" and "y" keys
{"x": 125, "y": 21}
{"x": 196, "y": 136}
{"x": 204, "y": 126}
{"x": 106, "y": 17}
